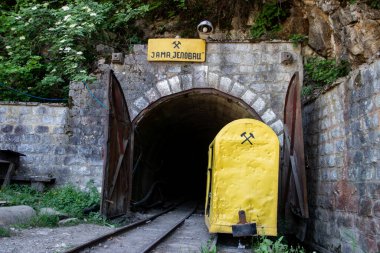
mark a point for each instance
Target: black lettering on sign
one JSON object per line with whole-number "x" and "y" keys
{"x": 176, "y": 55}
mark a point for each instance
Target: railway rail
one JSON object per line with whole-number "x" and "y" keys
{"x": 141, "y": 236}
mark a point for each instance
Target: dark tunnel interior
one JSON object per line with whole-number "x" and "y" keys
{"x": 171, "y": 143}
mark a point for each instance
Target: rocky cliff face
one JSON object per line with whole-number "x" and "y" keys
{"x": 345, "y": 30}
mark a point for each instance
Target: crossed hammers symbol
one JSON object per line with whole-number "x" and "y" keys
{"x": 247, "y": 138}
{"x": 176, "y": 44}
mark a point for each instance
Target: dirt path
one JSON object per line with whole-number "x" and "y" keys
{"x": 41, "y": 240}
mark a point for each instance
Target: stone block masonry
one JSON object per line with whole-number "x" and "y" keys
{"x": 251, "y": 72}
{"x": 63, "y": 141}
{"x": 67, "y": 141}
{"x": 36, "y": 130}
{"x": 342, "y": 136}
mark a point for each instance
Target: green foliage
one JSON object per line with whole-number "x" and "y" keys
{"x": 297, "y": 39}
{"x": 44, "y": 220}
{"x": 321, "y": 72}
{"x": 350, "y": 238}
{"x": 67, "y": 199}
{"x": 21, "y": 195}
{"x": 4, "y": 232}
{"x": 307, "y": 90}
{"x": 374, "y": 4}
{"x": 46, "y": 44}
{"x": 208, "y": 248}
{"x": 268, "y": 20}
{"x": 70, "y": 200}
{"x": 266, "y": 245}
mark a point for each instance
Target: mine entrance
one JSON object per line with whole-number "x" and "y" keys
{"x": 171, "y": 139}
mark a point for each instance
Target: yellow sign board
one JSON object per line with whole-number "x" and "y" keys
{"x": 185, "y": 50}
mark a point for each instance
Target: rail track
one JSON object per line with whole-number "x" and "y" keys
{"x": 146, "y": 235}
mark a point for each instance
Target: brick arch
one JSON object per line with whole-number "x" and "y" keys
{"x": 202, "y": 79}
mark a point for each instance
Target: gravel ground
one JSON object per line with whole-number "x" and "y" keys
{"x": 41, "y": 240}
{"x": 59, "y": 239}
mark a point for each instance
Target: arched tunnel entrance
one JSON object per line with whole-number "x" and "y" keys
{"x": 171, "y": 143}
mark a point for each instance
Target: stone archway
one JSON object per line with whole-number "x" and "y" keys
{"x": 179, "y": 83}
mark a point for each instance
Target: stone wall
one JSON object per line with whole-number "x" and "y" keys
{"x": 342, "y": 137}
{"x": 86, "y": 128}
{"x": 62, "y": 141}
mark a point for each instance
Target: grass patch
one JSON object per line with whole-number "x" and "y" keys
{"x": 278, "y": 245}
{"x": 4, "y": 232}
{"x": 208, "y": 248}
{"x": 69, "y": 200}
{"x": 21, "y": 195}
{"x": 97, "y": 218}
{"x": 44, "y": 220}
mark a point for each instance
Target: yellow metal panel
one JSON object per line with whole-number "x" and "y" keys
{"x": 244, "y": 176}
{"x": 184, "y": 50}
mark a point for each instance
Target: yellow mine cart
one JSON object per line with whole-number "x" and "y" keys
{"x": 242, "y": 180}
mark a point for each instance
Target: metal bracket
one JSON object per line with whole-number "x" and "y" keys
{"x": 286, "y": 58}
{"x": 243, "y": 228}
{"x": 117, "y": 58}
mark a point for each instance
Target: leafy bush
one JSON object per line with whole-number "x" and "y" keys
{"x": 320, "y": 72}
{"x": 297, "y": 38}
{"x": 46, "y": 44}
{"x": 70, "y": 200}
{"x": 268, "y": 20}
